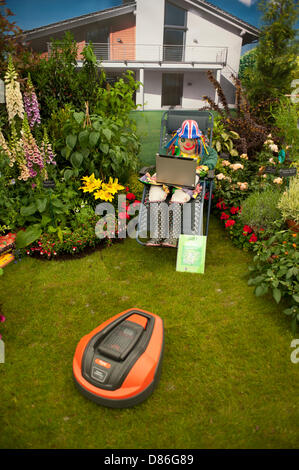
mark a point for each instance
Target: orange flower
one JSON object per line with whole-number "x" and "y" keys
{"x": 294, "y": 245}
{"x": 284, "y": 243}
{"x": 286, "y": 252}
{"x": 294, "y": 235}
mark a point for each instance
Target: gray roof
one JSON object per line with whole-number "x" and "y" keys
{"x": 79, "y": 20}
{"x": 128, "y": 7}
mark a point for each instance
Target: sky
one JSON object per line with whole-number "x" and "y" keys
{"x": 31, "y": 14}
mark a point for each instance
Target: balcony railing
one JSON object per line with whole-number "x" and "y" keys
{"x": 120, "y": 52}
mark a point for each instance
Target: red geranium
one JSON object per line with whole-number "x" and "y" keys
{"x": 131, "y": 197}
{"x": 234, "y": 210}
{"x": 230, "y": 223}
{"x": 253, "y": 238}
{"x": 247, "y": 230}
{"x": 224, "y": 216}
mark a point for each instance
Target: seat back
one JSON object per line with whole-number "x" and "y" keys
{"x": 172, "y": 120}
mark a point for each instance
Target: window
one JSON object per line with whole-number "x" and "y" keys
{"x": 174, "y": 33}
{"x": 100, "y": 37}
{"x": 174, "y": 16}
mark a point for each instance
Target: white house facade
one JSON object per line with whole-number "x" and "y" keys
{"x": 169, "y": 45}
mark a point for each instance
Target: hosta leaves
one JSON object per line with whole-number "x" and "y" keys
{"x": 83, "y": 138}
{"x": 41, "y": 204}
{"x": 68, "y": 174}
{"x": 28, "y": 210}
{"x": 76, "y": 159}
{"x": 104, "y": 148}
{"x": 93, "y": 138}
{"x": 79, "y": 117}
{"x": 71, "y": 141}
{"x": 26, "y": 238}
{"x": 107, "y": 133}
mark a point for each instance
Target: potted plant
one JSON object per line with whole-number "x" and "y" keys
{"x": 289, "y": 204}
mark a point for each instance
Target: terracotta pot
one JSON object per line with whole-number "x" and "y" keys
{"x": 292, "y": 225}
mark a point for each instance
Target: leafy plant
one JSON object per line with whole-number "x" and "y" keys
{"x": 275, "y": 54}
{"x": 260, "y": 209}
{"x": 285, "y": 115}
{"x": 276, "y": 269}
{"x": 252, "y": 133}
{"x": 98, "y": 145}
{"x": 289, "y": 201}
{"x": 223, "y": 141}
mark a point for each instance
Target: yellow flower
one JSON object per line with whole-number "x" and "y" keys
{"x": 104, "y": 195}
{"x": 90, "y": 184}
{"x": 112, "y": 186}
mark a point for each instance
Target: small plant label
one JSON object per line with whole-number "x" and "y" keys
{"x": 50, "y": 184}
{"x": 2, "y": 351}
{"x": 286, "y": 172}
{"x": 191, "y": 254}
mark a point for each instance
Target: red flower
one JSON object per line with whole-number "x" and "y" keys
{"x": 221, "y": 205}
{"x": 224, "y": 216}
{"x": 253, "y": 238}
{"x": 234, "y": 210}
{"x": 131, "y": 197}
{"x": 230, "y": 223}
{"x": 247, "y": 230}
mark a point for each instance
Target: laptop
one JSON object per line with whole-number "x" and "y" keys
{"x": 176, "y": 171}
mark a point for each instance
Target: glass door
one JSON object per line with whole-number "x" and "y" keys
{"x": 172, "y": 89}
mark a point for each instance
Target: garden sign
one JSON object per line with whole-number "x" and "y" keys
{"x": 191, "y": 254}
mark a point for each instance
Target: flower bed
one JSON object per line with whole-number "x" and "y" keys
{"x": 250, "y": 202}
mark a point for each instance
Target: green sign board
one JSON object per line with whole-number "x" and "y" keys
{"x": 191, "y": 254}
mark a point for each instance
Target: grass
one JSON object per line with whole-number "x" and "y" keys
{"x": 227, "y": 379}
{"x": 148, "y": 125}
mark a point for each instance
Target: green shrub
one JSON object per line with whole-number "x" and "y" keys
{"x": 260, "y": 210}
{"x": 96, "y": 145}
{"x": 286, "y": 119}
{"x": 276, "y": 269}
{"x": 289, "y": 201}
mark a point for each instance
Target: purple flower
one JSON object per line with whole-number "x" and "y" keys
{"x": 2, "y": 318}
{"x": 32, "y": 107}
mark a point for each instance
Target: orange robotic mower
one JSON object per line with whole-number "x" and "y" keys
{"x": 119, "y": 363}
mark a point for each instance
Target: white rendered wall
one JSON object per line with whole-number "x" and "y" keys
{"x": 205, "y": 30}
{"x": 152, "y": 89}
{"x": 149, "y": 26}
{"x": 196, "y": 84}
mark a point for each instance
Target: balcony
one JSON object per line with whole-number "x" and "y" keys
{"x": 155, "y": 53}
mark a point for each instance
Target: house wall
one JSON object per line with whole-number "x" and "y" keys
{"x": 196, "y": 85}
{"x": 122, "y": 38}
{"x": 206, "y": 30}
{"x": 152, "y": 90}
{"x": 149, "y": 26}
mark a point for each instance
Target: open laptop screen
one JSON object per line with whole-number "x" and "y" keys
{"x": 176, "y": 171}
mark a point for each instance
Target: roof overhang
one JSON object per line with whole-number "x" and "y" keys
{"x": 78, "y": 21}
{"x": 248, "y": 32}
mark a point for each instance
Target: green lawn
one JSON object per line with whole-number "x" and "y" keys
{"x": 148, "y": 124}
{"x": 227, "y": 379}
